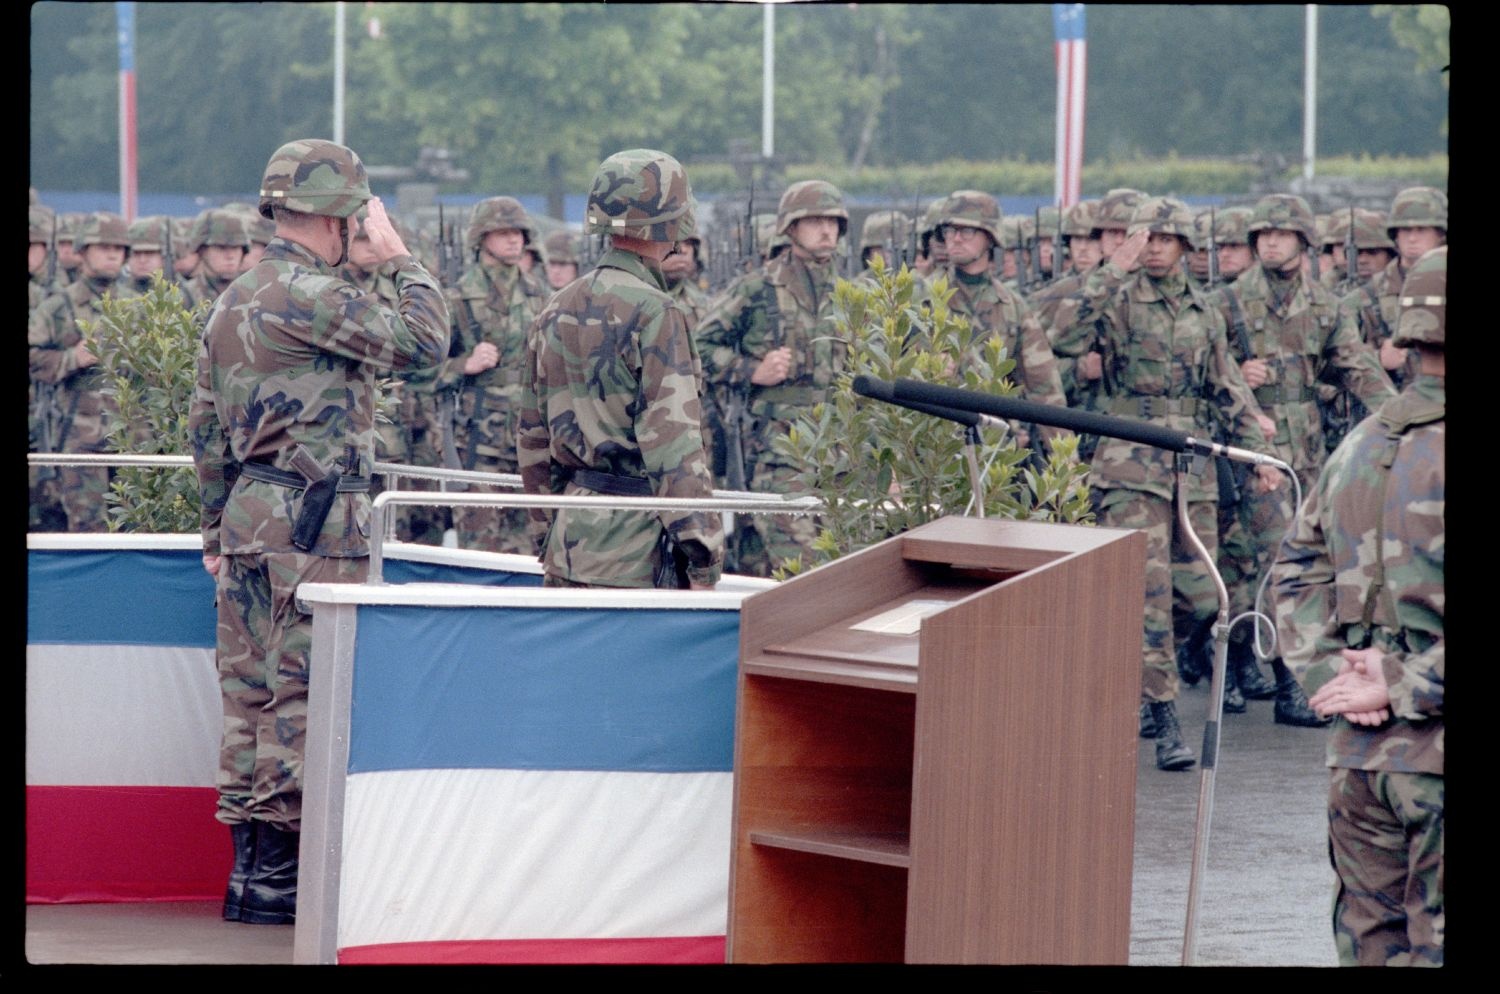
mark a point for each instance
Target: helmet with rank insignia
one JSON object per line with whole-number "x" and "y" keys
{"x": 313, "y": 176}
{"x": 1424, "y": 301}
{"x": 641, "y": 193}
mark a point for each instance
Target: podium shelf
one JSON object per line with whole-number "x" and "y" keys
{"x": 885, "y": 848}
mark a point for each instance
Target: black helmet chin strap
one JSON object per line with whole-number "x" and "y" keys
{"x": 343, "y": 242}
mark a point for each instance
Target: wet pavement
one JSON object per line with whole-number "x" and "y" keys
{"x": 1265, "y": 897}
{"x": 1267, "y": 894}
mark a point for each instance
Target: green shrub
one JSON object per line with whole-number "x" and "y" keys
{"x": 147, "y": 348}
{"x": 880, "y": 469}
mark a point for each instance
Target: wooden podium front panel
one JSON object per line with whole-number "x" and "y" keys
{"x": 1023, "y": 813}
{"x": 829, "y": 767}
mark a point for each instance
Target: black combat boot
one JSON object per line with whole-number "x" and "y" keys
{"x": 1291, "y": 703}
{"x": 1195, "y": 652}
{"x": 1148, "y": 723}
{"x": 1171, "y": 752}
{"x": 1247, "y": 672}
{"x": 271, "y": 890}
{"x": 243, "y": 837}
{"x": 1234, "y": 701}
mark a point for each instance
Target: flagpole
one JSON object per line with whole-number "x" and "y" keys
{"x": 125, "y": 33}
{"x": 1071, "y": 55}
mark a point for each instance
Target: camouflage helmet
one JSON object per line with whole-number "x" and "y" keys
{"x": 40, "y": 220}
{"x": 1424, "y": 301}
{"x": 1370, "y": 231}
{"x": 1232, "y": 226}
{"x": 1117, "y": 208}
{"x": 932, "y": 217}
{"x": 1080, "y": 220}
{"x": 182, "y": 234}
{"x": 883, "y": 228}
{"x": 313, "y": 176}
{"x": 494, "y": 214}
{"x": 811, "y": 198}
{"x": 217, "y": 226}
{"x": 641, "y": 193}
{"x": 975, "y": 209}
{"x": 1201, "y": 222}
{"x": 1418, "y": 207}
{"x": 1333, "y": 229}
{"x": 1284, "y": 212}
{"x": 102, "y": 228}
{"x": 1163, "y": 215}
{"x": 68, "y": 224}
{"x": 1046, "y": 221}
{"x": 259, "y": 230}
{"x": 149, "y": 234}
{"x": 1016, "y": 230}
{"x": 561, "y": 247}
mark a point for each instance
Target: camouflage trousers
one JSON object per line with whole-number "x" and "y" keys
{"x": 493, "y": 529}
{"x": 410, "y": 442}
{"x": 1251, "y": 541}
{"x": 1385, "y": 840}
{"x": 264, "y": 649}
{"x": 1180, "y": 593}
{"x": 46, "y": 513}
{"x": 765, "y": 541}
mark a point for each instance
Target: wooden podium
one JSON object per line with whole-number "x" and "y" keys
{"x": 964, "y": 793}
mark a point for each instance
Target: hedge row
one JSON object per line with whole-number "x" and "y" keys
{"x": 1169, "y": 175}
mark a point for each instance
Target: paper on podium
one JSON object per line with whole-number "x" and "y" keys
{"x": 903, "y": 620}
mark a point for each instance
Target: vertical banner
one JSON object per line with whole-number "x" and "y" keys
{"x": 1067, "y": 29}
{"x": 125, "y": 21}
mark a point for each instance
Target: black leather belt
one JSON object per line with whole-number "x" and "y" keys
{"x": 266, "y": 473}
{"x": 611, "y": 484}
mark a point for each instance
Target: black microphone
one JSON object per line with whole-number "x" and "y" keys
{"x": 905, "y": 391}
{"x": 877, "y": 389}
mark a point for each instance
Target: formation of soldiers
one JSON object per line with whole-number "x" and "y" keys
{"x": 1264, "y": 324}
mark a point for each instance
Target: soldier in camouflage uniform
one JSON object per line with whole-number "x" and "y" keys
{"x": 1165, "y": 360}
{"x": 480, "y": 383}
{"x": 149, "y": 238}
{"x": 258, "y": 230}
{"x": 971, "y": 227}
{"x": 1418, "y": 222}
{"x": 1080, "y": 240}
{"x": 284, "y": 484}
{"x": 1360, "y": 606}
{"x": 770, "y": 337}
{"x": 1045, "y": 229}
{"x": 220, "y": 241}
{"x": 1333, "y": 237}
{"x": 562, "y": 259}
{"x": 1288, "y": 334}
{"x": 931, "y": 253}
{"x": 609, "y": 399}
{"x": 889, "y": 234}
{"x": 184, "y": 252}
{"x": 69, "y": 260}
{"x": 60, "y": 359}
{"x": 1232, "y": 241}
{"x": 403, "y": 422}
{"x": 46, "y": 511}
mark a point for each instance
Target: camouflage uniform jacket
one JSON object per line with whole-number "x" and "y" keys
{"x": 202, "y": 286}
{"x": 993, "y": 309}
{"x": 1046, "y": 303}
{"x": 289, "y": 356}
{"x": 52, "y": 335}
{"x": 741, "y": 327}
{"x": 1361, "y": 520}
{"x": 494, "y": 304}
{"x": 1166, "y": 360}
{"x": 690, "y": 299}
{"x": 1376, "y": 304}
{"x": 1309, "y": 339}
{"x": 610, "y": 386}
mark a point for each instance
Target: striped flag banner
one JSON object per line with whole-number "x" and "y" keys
{"x": 1072, "y": 55}
{"x": 125, "y": 21}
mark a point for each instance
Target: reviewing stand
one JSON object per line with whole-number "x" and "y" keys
{"x": 936, "y": 748}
